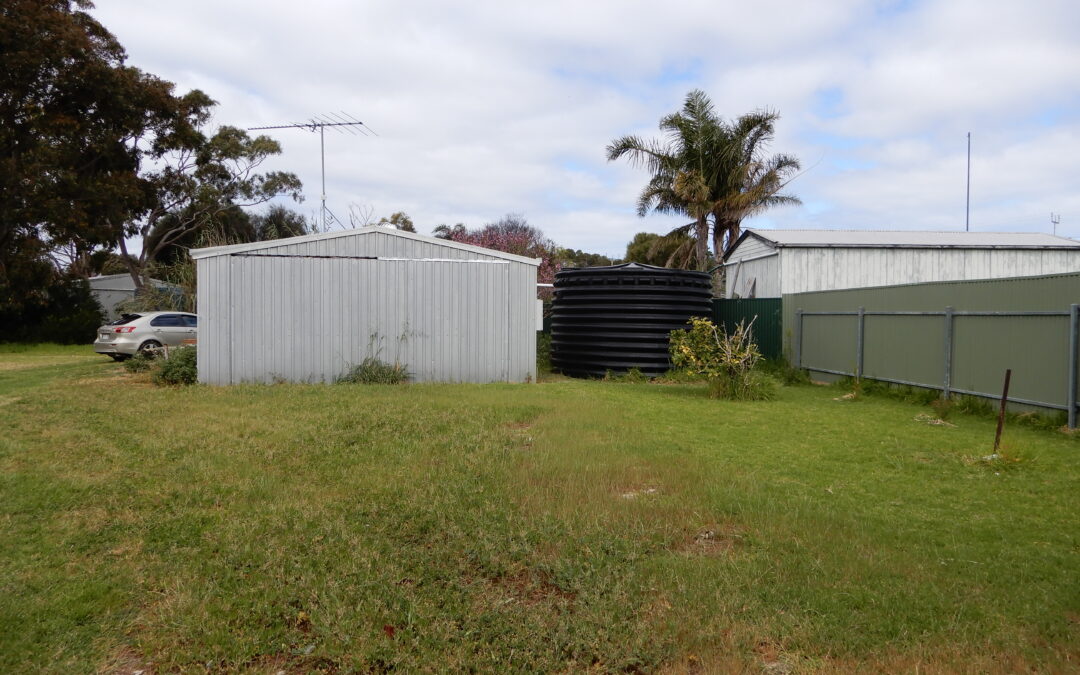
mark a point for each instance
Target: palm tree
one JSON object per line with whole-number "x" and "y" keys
{"x": 711, "y": 170}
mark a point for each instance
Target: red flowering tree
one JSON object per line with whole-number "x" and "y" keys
{"x": 512, "y": 234}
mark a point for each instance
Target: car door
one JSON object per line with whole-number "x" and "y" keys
{"x": 169, "y": 329}
{"x": 192, "y": 323}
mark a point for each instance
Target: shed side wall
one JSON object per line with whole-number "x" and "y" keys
{"x": 310, "y": 319}
{"x": 761, "y": 275}
{"x": 823, "y": 269}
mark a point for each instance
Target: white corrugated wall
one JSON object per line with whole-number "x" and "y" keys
{"x": 824, "y": 269}
{"x": 447, "y": 314}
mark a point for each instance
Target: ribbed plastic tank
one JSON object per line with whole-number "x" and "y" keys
{"x": 620, "y": 317}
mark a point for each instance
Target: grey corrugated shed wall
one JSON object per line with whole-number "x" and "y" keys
{"x": 448, "y": 313}
{"x": 887, "y": 258}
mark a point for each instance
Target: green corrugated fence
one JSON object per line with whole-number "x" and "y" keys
{"x": 767, "y": 315}
{"x": 957, "y": 337}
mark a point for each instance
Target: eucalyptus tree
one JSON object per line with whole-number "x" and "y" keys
{"x": 714, "y": 171}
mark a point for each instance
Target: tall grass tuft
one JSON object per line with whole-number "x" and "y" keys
{"x": 375, "y": 371}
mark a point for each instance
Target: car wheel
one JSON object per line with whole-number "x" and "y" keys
{"x": 149, "y": 346}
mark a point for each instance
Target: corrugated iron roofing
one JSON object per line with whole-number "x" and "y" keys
{"x": 199, "y": 253}
{"x": 910, "y": 239}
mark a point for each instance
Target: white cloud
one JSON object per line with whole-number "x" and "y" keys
{"x": 495, "y": 107}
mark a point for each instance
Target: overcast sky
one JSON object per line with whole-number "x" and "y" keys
{"x": 488, "y": 108}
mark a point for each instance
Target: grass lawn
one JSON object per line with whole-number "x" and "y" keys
{"x": 560, "y": 526}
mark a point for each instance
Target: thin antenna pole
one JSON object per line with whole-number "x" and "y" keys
{"x": 1055, "y": 218}
{"x": 322, "y": 153}
{"x": 967, "y": 207}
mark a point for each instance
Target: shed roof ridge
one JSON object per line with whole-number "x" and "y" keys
{"x": 213, "y": 251}
{"x": 909, "y": 238}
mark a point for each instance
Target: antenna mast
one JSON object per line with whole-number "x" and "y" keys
{"x": 341, "y": 122}
{"x": 1055, "y": 220}
{"x": 967, "y": 206}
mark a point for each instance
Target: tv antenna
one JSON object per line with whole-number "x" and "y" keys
{"x": 1055, "y": 220}
{"x": 341, "y": 122}
{"x": 967, "y": 205}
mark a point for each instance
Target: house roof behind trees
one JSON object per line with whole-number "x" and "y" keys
{"x": 904, "y": 239}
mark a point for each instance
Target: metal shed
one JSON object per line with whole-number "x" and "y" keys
{"x": 773, "y": 263}
{"x": 112, "y": 289}
{"x": 305, "y": 309}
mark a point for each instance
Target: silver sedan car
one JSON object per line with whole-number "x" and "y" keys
{"x": 132, "y": 333}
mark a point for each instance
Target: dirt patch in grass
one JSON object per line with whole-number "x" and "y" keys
{"x": 126, "y": 661}
{"x": 637, "y": 492}
{"x": 532, "y": 587}
{"x": 711, "y": 541}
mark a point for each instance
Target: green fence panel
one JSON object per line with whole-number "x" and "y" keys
{"x": 960, "y": 336}
{"x": 767, "y": 315}
{"x": 909, "y": 348}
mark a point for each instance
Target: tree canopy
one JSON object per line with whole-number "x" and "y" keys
{"x": 510, "y": 234}
{"x": 93, "y": 152}
{"x": 657, "y": 249}
{"x": 715, "y": 171}
{"x": 398, "y": 220}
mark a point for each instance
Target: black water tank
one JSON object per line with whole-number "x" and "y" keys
{"x": 619, "y": 317}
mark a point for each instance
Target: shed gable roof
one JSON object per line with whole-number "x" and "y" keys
{"x": 907, "y": 239}
{"x": 213, "y": 251}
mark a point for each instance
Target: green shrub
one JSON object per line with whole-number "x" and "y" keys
{"x": 140, "y": 363}
{"x": 752, "y": 386}
{"x": 180, "y": 368}
{"x": 543, "y": 352}
{"x": 727, "y": 360}
{"x": 58, "y": 309}
{"x": 374, "y": 371}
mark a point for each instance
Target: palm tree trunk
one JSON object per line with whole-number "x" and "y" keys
{"x": 724, "y": 236}
{"x": 701, "y": 243}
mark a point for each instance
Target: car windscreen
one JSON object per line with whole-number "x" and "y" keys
{"x": 124, "y": 318}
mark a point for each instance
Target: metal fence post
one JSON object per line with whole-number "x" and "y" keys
{"x": 798, "y": 338}
{"x": 947, "y": 385}
{"x": 1074, "y": 338}
{"x": 859, "y": 344}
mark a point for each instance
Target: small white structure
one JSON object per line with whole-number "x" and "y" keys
{"x": 773, "y": 263}
{"x": 112, "y": 289}
{"x": 306, "y": 309}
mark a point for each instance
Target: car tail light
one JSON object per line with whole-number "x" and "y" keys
{"x": 125, "y": 329}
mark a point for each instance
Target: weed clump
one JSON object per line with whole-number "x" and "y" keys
{"x": 632, "y": 376}
{"x": 783, "y": 371}
{"x": 375, "y": 371}
{"x": 726, "y": 360}
{"x": 179, "y": 369}
{"x": 946, "y": 409}
{"x": 140, "y": 362}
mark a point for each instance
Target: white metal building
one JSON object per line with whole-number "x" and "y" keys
{"x": 772, "y": 263}
{"x": 112, "y": 289}
{"x": 305, "y": 309}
